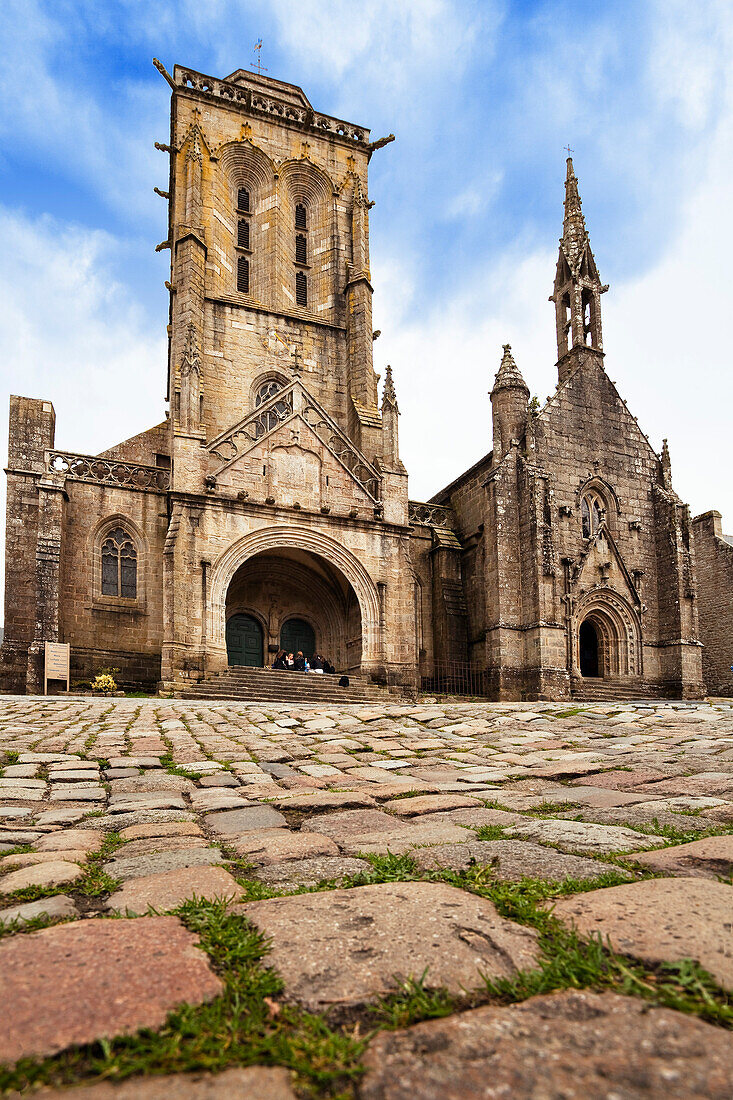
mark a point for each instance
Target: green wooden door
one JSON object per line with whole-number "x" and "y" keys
{"x": 244, "y": 641}
{"x": 297, "y": 634}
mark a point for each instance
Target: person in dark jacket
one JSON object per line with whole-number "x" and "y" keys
{"x": 328, "y": 667}
{"x": 300, "y": 664}
{"x": 281, "y": 659}
{"x": 316, "y": 663}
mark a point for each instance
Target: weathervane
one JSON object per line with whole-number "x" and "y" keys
{"x": 258, "y": 57}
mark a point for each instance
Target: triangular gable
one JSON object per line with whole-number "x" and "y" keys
{"x": 600, "y": 562}
{"x": 293, "y": 421}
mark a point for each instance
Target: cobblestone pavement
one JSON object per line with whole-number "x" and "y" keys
{"x": 367, "y": 843}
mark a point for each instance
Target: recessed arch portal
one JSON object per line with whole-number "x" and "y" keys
{"x": 279, "y": 574}
{"x": 607, "y": 637}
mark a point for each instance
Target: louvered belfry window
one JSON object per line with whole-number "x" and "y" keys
{"x": 301, "y": 289}
{"x": 119, "y": 565}
{"x": 243, "y": 200}
{"x": 243, "y": 233}
{"x": 301, "y": 249}
{"x": 301, "y": 221}
{"x": 243, "y": 274}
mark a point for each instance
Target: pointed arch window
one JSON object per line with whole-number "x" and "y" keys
{"x": 301, "y": 249}
{"x": 243, "y": 200}
{"x": 592, "y": 513}
{"x": 243, "y": 233}
{"x": 301, "y": 216}
{"x": 119, "y": 564}
{"x": 301, "y": 289}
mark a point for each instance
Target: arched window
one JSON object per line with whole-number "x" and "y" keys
{"x": 119, "y": 565}
{"x": 301, "y": 249}
{"x": 243, "y": 200}
{"x": 243, "y": 233}
{"x": 243, "y": 274}
{"x": 267, "y": 390}
{"x": 301, "y": 217}
{"x": 277, "y": 412}
{"x": 592, "y": 513}
{"x": 301, "y": 254}
{"x": 301, "y": 289}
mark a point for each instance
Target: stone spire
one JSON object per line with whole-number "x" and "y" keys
{"x": 508, "y": 404}
{"x": 578, "y": 288}
{"x": 509, "y": 375}
{"x": 390, "y": 430}
{"x": 574, "y": 233}
{"x": 389, "y": 396}
{"x": 666, "y": 465}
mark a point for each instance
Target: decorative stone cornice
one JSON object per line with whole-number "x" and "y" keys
{"x": 259, "y": 103}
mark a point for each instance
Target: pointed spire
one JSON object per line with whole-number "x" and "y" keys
{"x": 666, "y": 465}
{"x": 389, "y": 395}
{"x": 509, "y": 375}
{"x": 574, "y": 232}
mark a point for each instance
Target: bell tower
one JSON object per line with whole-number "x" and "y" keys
{"x": 578, "y": 288}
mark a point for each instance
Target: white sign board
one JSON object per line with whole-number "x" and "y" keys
{"x": 57, "y": 659}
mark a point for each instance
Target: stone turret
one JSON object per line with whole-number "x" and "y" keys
{"x": 578, "y": 288}
{"x": 509, "y": 399}
{"x": 390, "y": 413}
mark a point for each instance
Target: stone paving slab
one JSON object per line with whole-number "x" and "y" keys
{"x": 252, "y": 1083}
{"x": 235, "y": 822}
{"x": 661, "y": 920}
{"x": 349, "y": 947}
{"x": 309, "y": 872}
{"x": 57, "y": 906}
{"x": 156, "y": 863}
{"x": 171, "y": 888}
{"x": 268, "y": 846}
{"x": 711, "y": 857}
{"x": 581, "y": 836}
{"x": 566, "y": 1046}
{"x": 512, "y": 860}
{"x": 55, "y": 873}
{"x": 96, "y": 979}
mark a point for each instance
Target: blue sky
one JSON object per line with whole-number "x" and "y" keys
{"x": 482, "y": 97}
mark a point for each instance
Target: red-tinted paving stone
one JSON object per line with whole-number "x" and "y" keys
{"x": 95, "y": 979}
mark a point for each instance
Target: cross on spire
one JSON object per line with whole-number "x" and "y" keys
{"x": 568, "y": 150}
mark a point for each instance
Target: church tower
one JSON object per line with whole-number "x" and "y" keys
{"x": 578, "y": 288}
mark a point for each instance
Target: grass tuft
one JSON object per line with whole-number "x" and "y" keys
{"x": 246, "y": 1025}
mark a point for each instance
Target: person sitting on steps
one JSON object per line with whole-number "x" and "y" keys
{"x": 281, "y": 660}
{"x": 317, "y": 663}
{"x": 300, "y": 664}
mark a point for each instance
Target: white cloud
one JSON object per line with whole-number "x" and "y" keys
{"x": 73, "y": 336}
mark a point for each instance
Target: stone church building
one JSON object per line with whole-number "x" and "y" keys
{"x": 271, "y": 506}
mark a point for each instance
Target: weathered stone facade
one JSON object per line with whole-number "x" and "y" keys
{"x": 273, "y": 498}
{"x": 714, "y": 563}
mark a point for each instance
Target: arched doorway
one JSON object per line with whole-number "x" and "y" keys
{"x": 303, "y": 602}
{"x": 244, "y": 641}
{"x": 588, "y": 645}
{"x": 298, "y": 636}
{"x": 607, "y": 637}
{"x": 280, "y": 573}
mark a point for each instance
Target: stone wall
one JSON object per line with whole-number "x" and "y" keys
{"x": 714, "y": 567}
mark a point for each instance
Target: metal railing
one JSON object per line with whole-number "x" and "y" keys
{"x": 456, "y": 678}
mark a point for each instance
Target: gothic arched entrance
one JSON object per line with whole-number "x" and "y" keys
{"x": 281, "y": 573}
{"x": 607, "y": 637}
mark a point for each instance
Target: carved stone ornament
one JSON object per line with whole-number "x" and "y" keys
{"x": 191, "y": 359}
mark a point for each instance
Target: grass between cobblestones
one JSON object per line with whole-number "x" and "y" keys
{"x": 247, "y": 1025}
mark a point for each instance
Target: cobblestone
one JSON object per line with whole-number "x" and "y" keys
{"x": 296, "y": 795}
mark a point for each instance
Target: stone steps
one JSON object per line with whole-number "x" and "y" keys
{"x": 597, "y": 689}
{"x": 267, "y": 685}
